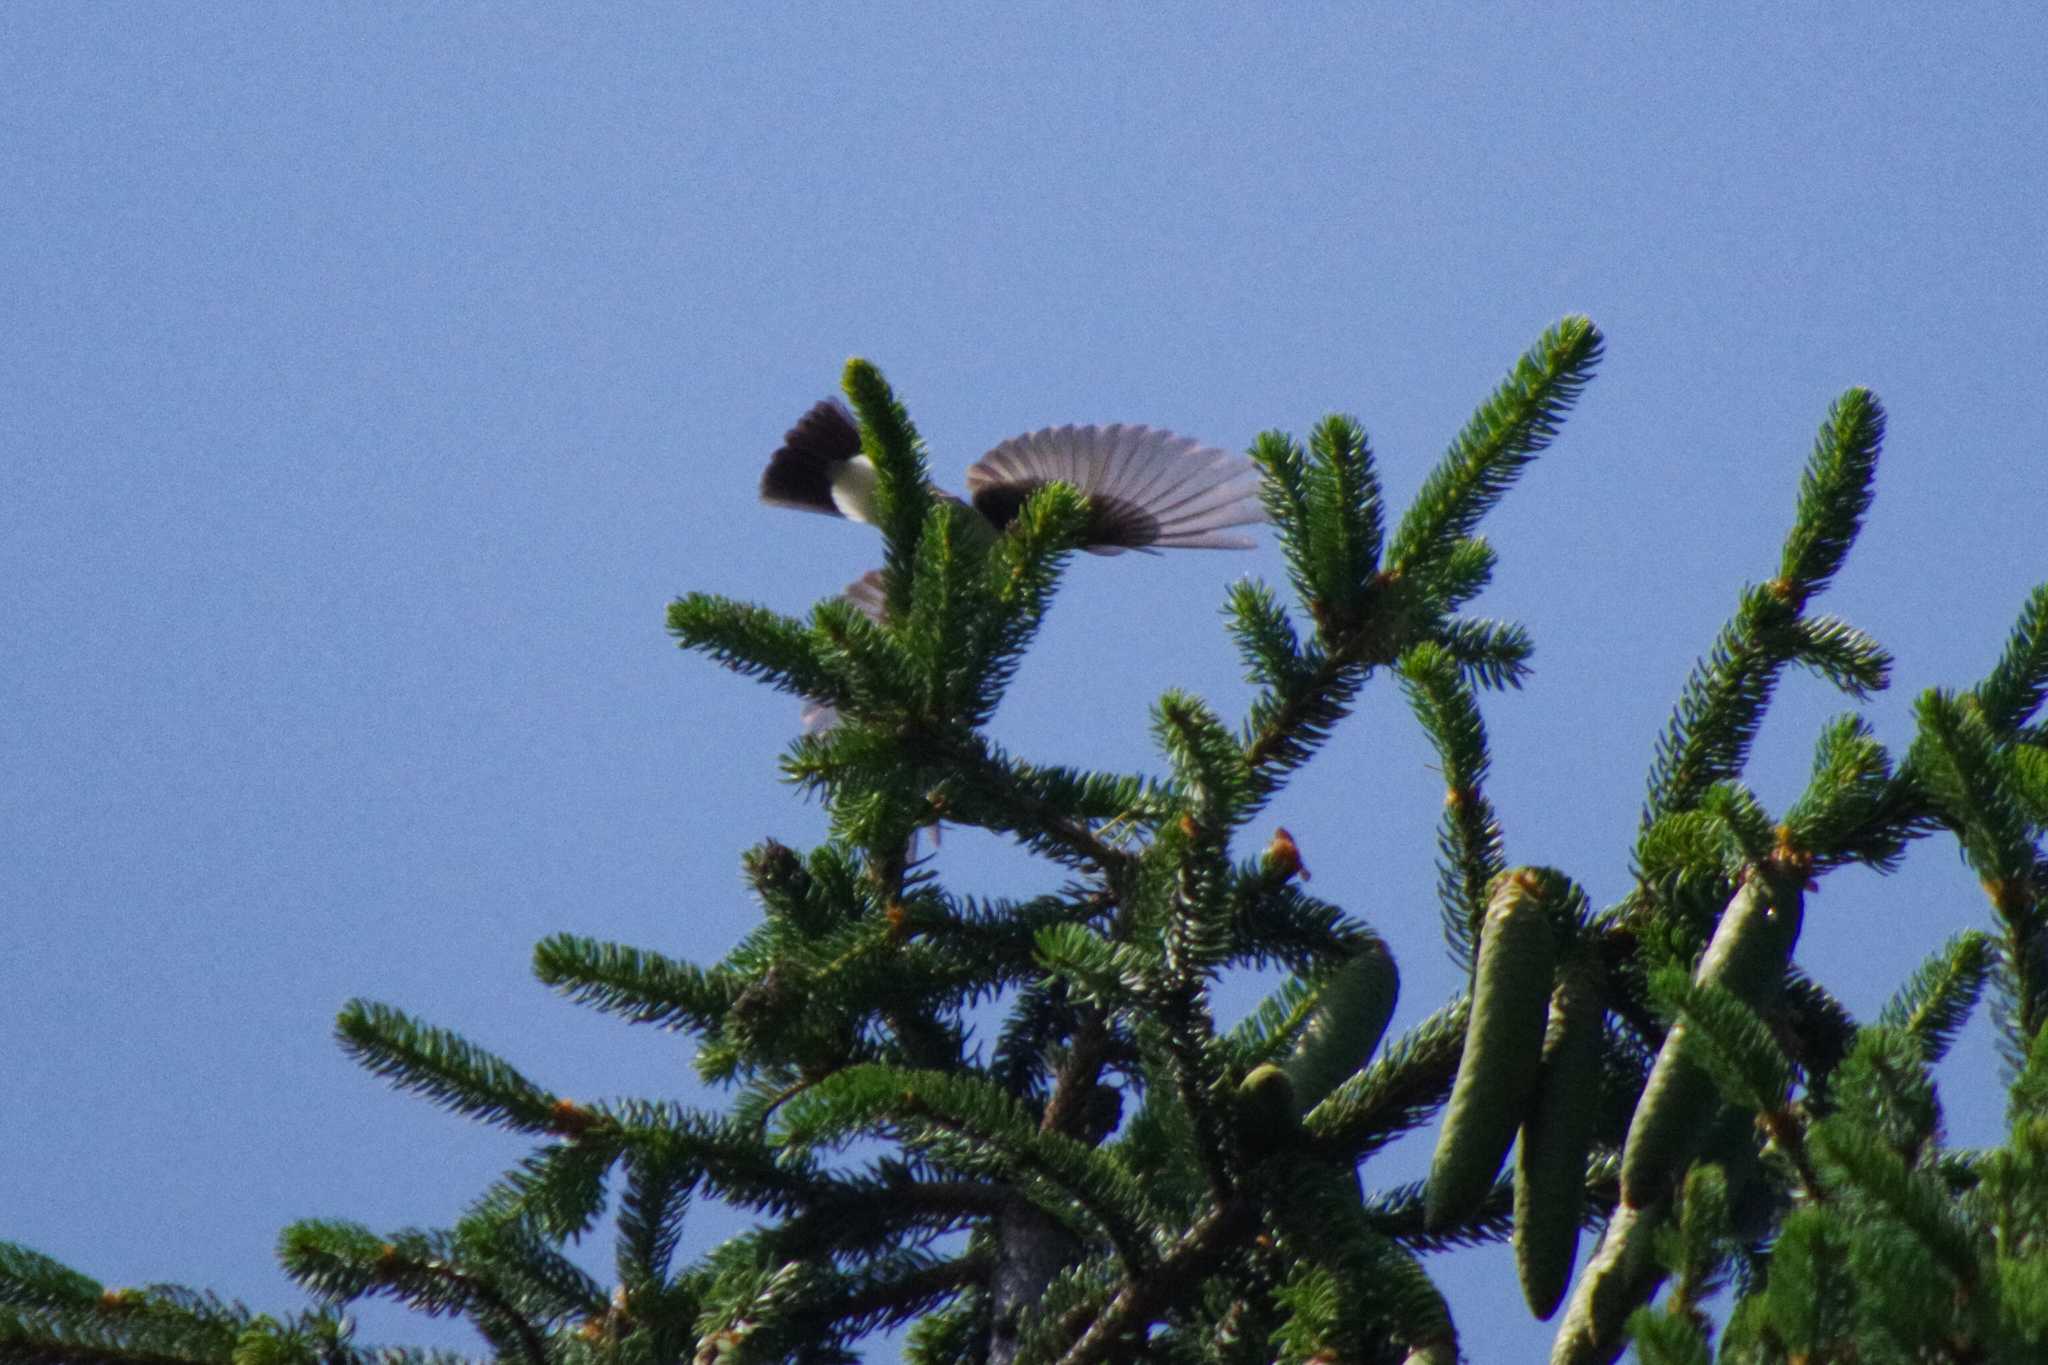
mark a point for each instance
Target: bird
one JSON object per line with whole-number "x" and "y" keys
{"x": 1147, "y": 489}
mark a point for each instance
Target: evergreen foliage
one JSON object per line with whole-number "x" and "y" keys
{"x": 1015, "y": 1129}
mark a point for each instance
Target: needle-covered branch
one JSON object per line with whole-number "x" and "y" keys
{"x": 1469, "y": 845}
{"x": 1020, "y": 1123}
{"x": 903, "y": 491}
{"x": 2012, "y": 692}
{"x": 1933, "y": 1004}
{"x": 1508, "y": 431}
{"x": 1834, "y": 493}
{"x": 974, "y": 1127}
{"x": 452, "y": 1071}
{"x": 1722, "y": 706}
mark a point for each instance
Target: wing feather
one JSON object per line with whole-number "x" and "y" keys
{"x": 1150, "y": 489}
{"x": 812, "y": 460}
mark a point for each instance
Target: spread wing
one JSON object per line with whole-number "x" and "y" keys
{"x": 866, "y": 593}
{"x": 814, "y": 456}
{"x": 1146, "y": 488}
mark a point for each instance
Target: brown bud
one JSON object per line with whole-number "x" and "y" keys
{"x": 570, "y": 1118}
{"x": 1283, "y": 857}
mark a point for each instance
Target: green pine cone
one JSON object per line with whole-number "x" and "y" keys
{"x": 1550, "y": 1164}
{"x": 1503, "y": 1050}
{"x": 1346, "y": 1025}
{"x": 1747, "y": 958}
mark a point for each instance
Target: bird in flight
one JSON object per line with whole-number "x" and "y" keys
{"x": 1147, "y": 489}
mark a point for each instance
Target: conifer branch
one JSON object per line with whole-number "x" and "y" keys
{"x": 1933, "y": 1004}
{"x": 1285, "y": 727}
{"x": 1114, "y": 1178}
{"x": 1002, "y": 1139}
{"x": 1020, "y": 575}
{"x": 1508, "y": 431}
{"x": 1398, "y": 1213}
{"x": 1721, "y": 708}
{"x": 343, "y": 1262}
{"x": 653, "y": 1202}
{"x": 1175, "y": 1279}
{"x": 757, "y": 643}
{"x": 450, "y": 1071}
{"x": 1284, "y": 491}
{"x": 1327, "y": 507}
{"x": 2012, "y": 692}
{"x": 805, "y": 1311}
{"x": 1834, "y": 493}
{"x": 1845, "y": 813}
{"x": 1048, "y": 808}
{"x": 1265, "y": 636}
{"x": 1066, "y": 1110}
{"x": 903, "y": 492}
{"x": 1275, "y": 922}
{"x": 640, "y": 984}
{"x": 1722, "y": 705}
{"x": 1885, "y": 1089}
{"x": 559, "y": 1190}
{"x": 29, "y": 1279}
{"x": 1469, "y": 845}
{"x": 1967, "y": 773}
{"x": 1840, "y": 653}
{"x": 1923, "y": 1207}
{"x": 1194, "y": 943}
{"x": 1490, "y": 654}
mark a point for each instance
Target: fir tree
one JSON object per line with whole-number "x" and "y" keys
{"x": 1112, "y": 1176}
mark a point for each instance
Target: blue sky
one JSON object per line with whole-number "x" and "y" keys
{"x": 373, "y": 376}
